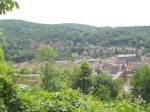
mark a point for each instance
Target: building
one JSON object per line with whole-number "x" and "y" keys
{"x": 134, "y": 66}
{"x": 130, "y": 57}
{"x": 57, "y": 46}
{"x": 115, "y": 68}
{"x": 106, "y": 68}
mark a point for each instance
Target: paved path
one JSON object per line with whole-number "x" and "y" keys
{"x": 117, "y": 75}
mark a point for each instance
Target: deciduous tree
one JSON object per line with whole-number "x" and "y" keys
{"x": 49, "y": 79}
{"x": 141, "y": 82}
{"x": 46, "y": 54}
{"x": 83, "y": 80}
{"x": 108, "y": 84}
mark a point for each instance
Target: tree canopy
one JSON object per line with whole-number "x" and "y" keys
{"x": 105, "y": 87}
{"x": 7, "y": 5}
{"x": 140, "y": 83}
{"x": 1, "y": 54}
{"x": 83, "y": 79}
{"x": 46, "y": 53}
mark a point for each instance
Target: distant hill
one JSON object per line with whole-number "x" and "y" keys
{"x": 19, "y": 28}
{"x": 138, "y": 30}
{"x": 79, "y": 26}
{"x": 19, "y": 35}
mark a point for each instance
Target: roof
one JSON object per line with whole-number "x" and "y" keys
{"x": 91, "y": 59}
{"x": 29, "y": 75}
{"x": 22, "y": 86}
{"x": 127, "y": 56}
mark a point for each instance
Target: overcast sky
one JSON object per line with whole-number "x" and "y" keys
{"x": 92, "y": 12}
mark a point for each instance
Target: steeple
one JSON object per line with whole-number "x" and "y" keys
{"x": 137, "y": 53}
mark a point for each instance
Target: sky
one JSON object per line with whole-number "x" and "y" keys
{"x": 91, "y": 12}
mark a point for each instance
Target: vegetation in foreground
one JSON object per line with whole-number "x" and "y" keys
{"x": 88, "y": 94}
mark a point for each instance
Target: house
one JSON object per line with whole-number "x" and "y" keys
{"x": 57, "y": 46}
{"x": 74, "y": 54}
{"x": 115, "y": 68}
{"x": 134, "y": 66}
{"x": 106, "y": 68}
{"x": 85, "y": 55}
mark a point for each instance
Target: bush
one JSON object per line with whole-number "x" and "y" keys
{"x": 25, "y": 70}
{"x": 10, "y": 99}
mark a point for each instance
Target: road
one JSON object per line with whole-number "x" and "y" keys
{"x": 117, "y": 75}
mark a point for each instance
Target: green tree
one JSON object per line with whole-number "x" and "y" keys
{"x": 46, "y": 54}
{"x": 25, "y": 70}
{"x": 10, "y": 98}
{"x": 1, "y": 54}
{"x": 46, "y": 76}
{"x": 7, "y": 5}
{"x": 5, "y": 68}
{"x": 108, "y": 83}
{"x": 103, "y": 92}
{"x": 49, "y": 77}
{"x": 83, "y": 80}
{"x": 140, "y": 83}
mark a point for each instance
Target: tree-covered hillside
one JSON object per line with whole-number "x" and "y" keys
{"x": 79, "y": 26}
{"x": 140, "y": 30}
{"x": 74, "y": 37}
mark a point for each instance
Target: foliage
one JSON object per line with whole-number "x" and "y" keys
{"x": 51, "y": 78}
{"x": 68, "y": 75}
{"x": 7, "y": 5}
{"x": 105, "y": 87}
{"x": 5, "y": 67}
{"x": 1, "y": 54}
{"x": 10, "y": 99}
{"x": 64, "y": 101}
{"x": 140, "y": 83}
{"x": 25, "y": 70}
{"x": 13, "y": 99}
{"x": 126, "y": 106}
{"x": 102, "y": 92}
{"x": 46, "y": 53}
{"x": 83, "y": 79}
{"x": 78, "y": 26}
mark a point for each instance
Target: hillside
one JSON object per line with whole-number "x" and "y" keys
{"x": 19, "y": 35}
{"x": 79, "y": 26}
{"x": 139, "y": 30}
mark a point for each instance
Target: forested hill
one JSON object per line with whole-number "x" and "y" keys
{"x": 139, "y": 30}
{"x": 79, "y": 26}
{"x": 19, "y": 35}
{"x": 72, "y": 32}
{"x": 21, "y": 29}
